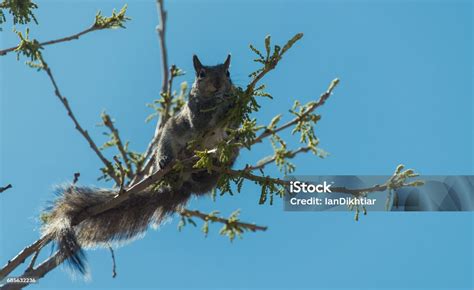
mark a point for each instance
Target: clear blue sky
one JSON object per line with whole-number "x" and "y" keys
{"x": 405, "y": 97}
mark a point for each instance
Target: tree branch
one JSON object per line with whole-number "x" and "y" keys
{"x": 21, "y": 257}
{"x": 114, "y": 264}
{"x": 76, "y": 178}
{"x": 33, "y": 261}
{"x": 312, "y": 107}
{"x": 289, "y": 154}
{"x": 59, "y": 40}
{"x": 271, "y": 61}
{"x": 84, "y": 133}
{"x": 109, "y": 124}
{"x": 39, "y": 272}
{"x": 165, "y": 87}
{"x": 164, "y": 117}
{"x": 397, "y": 180}
{"x": 114, "y": 21}
{"x": 213, "y": 218}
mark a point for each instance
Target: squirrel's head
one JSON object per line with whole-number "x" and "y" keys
{"x": 211, "y": 80}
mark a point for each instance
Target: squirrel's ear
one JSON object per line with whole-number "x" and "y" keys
{"x": 227, "y": 62}
{"x": 197, "y": 64}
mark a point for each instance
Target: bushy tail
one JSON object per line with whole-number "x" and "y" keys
{"x": 127, "y": 221}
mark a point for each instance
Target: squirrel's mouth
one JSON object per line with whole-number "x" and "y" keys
{"x": 216, "y": 91}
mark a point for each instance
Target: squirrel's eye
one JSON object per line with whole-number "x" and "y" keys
{"x": 202, "y": 74}
{"x": 227, "y": 73}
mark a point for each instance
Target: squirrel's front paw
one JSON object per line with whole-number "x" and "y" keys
{"x": 164, "y": 161}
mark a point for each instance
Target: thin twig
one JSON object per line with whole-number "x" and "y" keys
{"x": 246, "y": 173}
{"x": 164, "y": 117}
{"x": 269, "y": 66}
{"x": 161, "y": 30}
{"x": 63, "y": 39}
{"x": 139, "y": 175}
{"x": 122, "y": 174}
{"x": 170, "y": 86}
{"x": 207, "y": 217}
{"x": 76, "y": 178}
{"x": 166, "y": 87}
{"x": 109, "y": 124}
{"x": 2, "y": 189}
{"x": 84, "y": 133}
{"x": 114, "y": 264}
{"x": 289, "y": 154}
{"x": 169, "y": 97}
{"x": 311, "y": 108}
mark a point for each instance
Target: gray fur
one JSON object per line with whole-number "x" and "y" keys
{"x": 209, "y": 100}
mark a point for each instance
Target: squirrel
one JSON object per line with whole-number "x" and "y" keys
{"x": 200, "y": 119}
